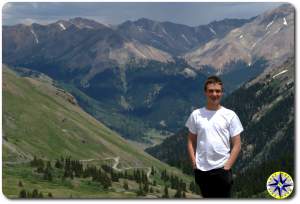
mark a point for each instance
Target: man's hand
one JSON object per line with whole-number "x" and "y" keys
{"x": 227, "y": 167}
{"x": 194, "y": 164}
{"x": 236, "y": 148}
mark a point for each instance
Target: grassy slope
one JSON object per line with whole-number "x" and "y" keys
{"x": 38, "y": 120}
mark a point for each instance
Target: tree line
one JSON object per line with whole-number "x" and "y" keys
{"x": 67, "y": 168}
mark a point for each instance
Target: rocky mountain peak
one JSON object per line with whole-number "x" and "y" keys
{"x": 269, "y": 36}
{"x": 86, "y": 23}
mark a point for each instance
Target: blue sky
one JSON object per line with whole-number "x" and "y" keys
{"x": 192, "y": 13}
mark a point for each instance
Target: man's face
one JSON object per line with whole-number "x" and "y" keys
{"x": 214, "y": 93}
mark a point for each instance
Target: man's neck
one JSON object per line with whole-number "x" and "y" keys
{"x": 213, "y": 107}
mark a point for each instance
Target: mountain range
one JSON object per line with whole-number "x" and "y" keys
{"x": 136, "y": 69}
{"x": 95, "y": 46}
{"x": 260, "y": 38}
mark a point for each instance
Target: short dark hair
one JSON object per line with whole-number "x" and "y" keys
{"x": 213, "y": 80}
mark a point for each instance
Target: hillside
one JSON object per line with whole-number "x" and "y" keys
{"x": 269, "y": 119}
{"x": 45, "y": 122}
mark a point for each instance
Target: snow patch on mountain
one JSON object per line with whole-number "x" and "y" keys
{"x": 164, "y": 31}
{"x": 284, "y": 21}
{"x": 140, "y": 29}
{"x": 35, "y": 36}
{"x": 282, "y": 72}
{"x": 269, "y": 25}
{"x": 62, "y": 26}
{"x": 184, "y": 37}
{"x": 213, "y": 31}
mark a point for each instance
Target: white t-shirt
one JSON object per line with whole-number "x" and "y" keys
{"x": 214, "y": 130}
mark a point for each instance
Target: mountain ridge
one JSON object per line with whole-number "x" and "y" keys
{"x": 269, "y": 36}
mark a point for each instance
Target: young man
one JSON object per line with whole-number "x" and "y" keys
{"x": 214, "y": 142}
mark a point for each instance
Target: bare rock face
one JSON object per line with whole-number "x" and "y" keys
{"x": 173, "y": 38}
{"x": 269, "y": 36}
{"x": 138, "y": 51}
{"x": 67, "y": 96}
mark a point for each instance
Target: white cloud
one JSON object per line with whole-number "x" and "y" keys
{"x": 29, "y": 21}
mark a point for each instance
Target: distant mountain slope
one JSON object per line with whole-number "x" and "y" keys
{"x": 68, "y": 48}
{"x": 176, "y": 38}
{"x": 269, "y": 121}
{"x": 266, "y": 109}
{"x": 269, "y": 36}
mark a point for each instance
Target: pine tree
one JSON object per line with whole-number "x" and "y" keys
{"x": 140, "y": 191}
{"x": 47, "y": 174}
{"x": 125, "y": 185}
{"x": 58, "y": 164}
{"x": 163, "y": 175}
{"x": 23, "y": 194}
{"x": 151, "y": 190}
{"x": 146, "y": 187}
{"x": 35, "y": 193}
{"x": 178, "y": 193}
{"x": 166, "y": 192}
{"x": 152, "y": 170}
{"x": 40, "y": 169}
{"x": 48, "y": 165}
{"x": 29, "y": 195}
{"x": 114, "y": 176}
{"x": 39, "y": 163}
{"x": 192, "y": 187}
{"x": 20, "y": 184}
{"x": 182, "y": 185}
{"x": 40, "y": 195}
{"x": 138, "y": 177}
{"x": 106, "y": 181}
{"x": 34, "y": 161}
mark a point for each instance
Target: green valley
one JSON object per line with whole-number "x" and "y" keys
{"x": 43, "y": 122}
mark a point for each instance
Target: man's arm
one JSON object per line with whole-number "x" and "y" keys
{"x": 236, "y": 148}
{"x": 192, "y": 145}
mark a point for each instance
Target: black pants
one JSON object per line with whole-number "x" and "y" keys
{"x": 215, "y": 183}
